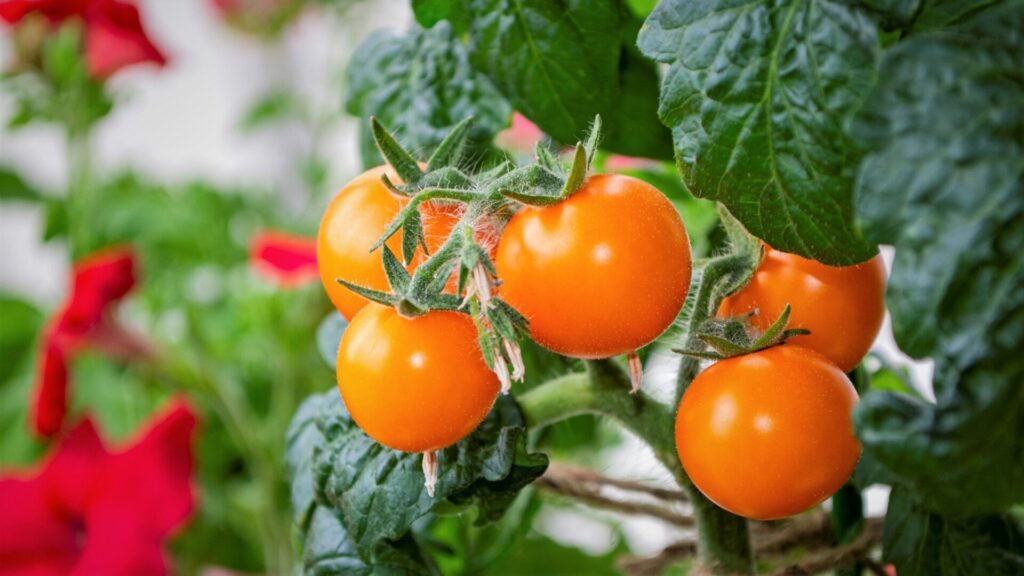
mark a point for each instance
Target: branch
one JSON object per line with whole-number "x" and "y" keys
{"x": 587, "y": 486}
{"x": 833, "y": 558}
{"x": 585, "y": 475}
{"x": 809, "y": 531}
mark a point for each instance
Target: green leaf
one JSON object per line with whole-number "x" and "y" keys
{"x": 943, "y": 181}
{"x": 430, "y": 12}
{"x": 328, "y": 337}
{"x": 377, "y": 493}
{"x": 421, "y": 83}
{"x": 13, "y": 187}
{"x": 562, "y": 63}
{"x": 327, "y": 547}
{"x": 757, "y": 94}
{"x": 56, "y": 221}
{"x": 935, "y": 14}
{"x": 894, "y": 13}
{"x": 21, "y": 322}
{"x": 921, "y": 543}
{"x": 270, "y": 108}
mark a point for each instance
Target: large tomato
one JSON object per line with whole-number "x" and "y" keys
{"x": 599, "y": 274}
{"x": 414, "y": 384}
{"x": 768, "y": 434}
{"x": 843, "y": 307}
{"x": 354, "y": 220}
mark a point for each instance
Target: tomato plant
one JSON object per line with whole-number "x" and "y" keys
{"x": 489, "y": 269}
{"x": 580, "y": 270}
{"x": 414, "y": 384}
{"x": 768, "y": 434}
{"x": 842, "y": 306}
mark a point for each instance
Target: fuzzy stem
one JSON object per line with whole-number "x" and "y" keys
{"x": 604, "y": 389}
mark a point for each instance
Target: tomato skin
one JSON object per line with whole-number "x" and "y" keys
{"x": 353, "y": 222}
{"x": 414, "y": 384}
{"x": 843, "y": 307}
{"x": 601, "y": 273}
{"x": 768, "y": 434}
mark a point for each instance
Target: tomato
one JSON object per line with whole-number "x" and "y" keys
{"x": 601, "y": 273}
{"x": 768, "y": 434}
{"x": 843, "y": 307}
{"x": 414, "y": 384}
{"x": 354, "y": 221}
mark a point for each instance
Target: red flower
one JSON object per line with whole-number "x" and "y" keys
{"x": 90, "y": 511}
{"x": 114, "y": 36}
{"x": 287, "y": 259}
{"x": 98, "y": 283}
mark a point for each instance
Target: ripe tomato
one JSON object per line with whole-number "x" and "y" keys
{"x": 768, "y": 434}
{"x": 600, "y": 274}
{"x": 414, "y": 384}
{"x": 843, "y": 307}
{"x": 355, "y": 219}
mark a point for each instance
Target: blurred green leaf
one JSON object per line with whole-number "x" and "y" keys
{"x": 13, "y": 187}
{"x": 430, "y": 12}
{"x": 920, "y": 543}
{"x": 18, "y": 330}
{"x": 421, "y": 85}
{"x": 328, "y": 337}
{"x": 55, "y": 224}
{"x": 270, "y": 108}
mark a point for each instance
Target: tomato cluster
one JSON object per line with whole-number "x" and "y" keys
{"x": 597, "y": 273}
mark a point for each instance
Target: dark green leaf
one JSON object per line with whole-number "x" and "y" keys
{"x": 377, "y": 493}
{"x": 328, "y": 337}
{"x": 562, "y": 63}
{"x": 894, "y": 13}
{"x": 13, "y": 187}
{"x": 937, "y": 14}
{"x": 430, "y": 12}
{"x": 422, "y": 84}
{"x": 944, "y": 182}
{"x": 920, "y": 543}
{"x": 757, "y": 94}
{"x": 327, "y": 547}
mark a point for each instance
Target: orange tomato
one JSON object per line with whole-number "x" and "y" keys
{"x": 354, "y": 220}
{"x": 843, "y": 307}
{"x": 414, "y": 384}
{"x": 768, "y": 434}
{"x": 601, "y": 273}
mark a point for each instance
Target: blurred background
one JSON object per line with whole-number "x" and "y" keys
{"x": 213, "y": 168}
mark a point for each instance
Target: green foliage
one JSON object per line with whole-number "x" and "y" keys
{"x": 921, "y": 543}
{"x": 757, "y": 94}
{"x": 13, "y": 187}
{"x": 423, "y": 83}
{"x": 562, "y": 63}
{"x": 943, "y": 183}
{"x": 369, "y": 496}
{"x": 61, "y": 90}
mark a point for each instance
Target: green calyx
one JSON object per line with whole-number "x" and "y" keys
{"x": 729, "y": 337}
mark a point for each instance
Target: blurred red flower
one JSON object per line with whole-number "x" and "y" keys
{"x": 90, "y": 511}
{"x": 522, "y": 137}
{"x": 98, "y": 283}
{"x": 114, "y": 35}
{"x": 287, "y": 259}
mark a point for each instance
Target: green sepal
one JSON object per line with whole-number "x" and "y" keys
{"x": 369, "y": 293}
{"x": 725, "y": 347}
{"x": 412, "y": 236}
{"x": 546, "y": 159}
{"x": 449, "y": 151}
{"x": 404, "y": 164}
{"x": 531, "y": 199}
{"x": 444, "y": 272}
{"x": 577, "y": 172}
{"x": 699, "y": 354}
{"x": 398, "y": 277}
{"x": 593, "y": 139}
